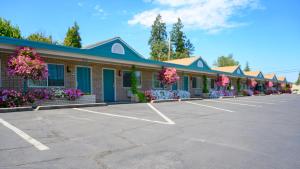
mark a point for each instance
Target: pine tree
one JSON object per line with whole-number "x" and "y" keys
{"x": 298, "y": 81}
{"x": 73, "y": 38}
{"x": 247, "y": 68}
{"x": 40, "y": 37}
{"x": 158, "y": 40}
{"x": 182, "y": 46}
{"x": 6, "y": 29}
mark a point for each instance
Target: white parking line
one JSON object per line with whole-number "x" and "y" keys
{"x": 209, "y": 106}
{"x": 242, "y": 104}
{"x": 159, "y": 113}
{"x": 130, "y": 117}
{"x": 25, "y": 136}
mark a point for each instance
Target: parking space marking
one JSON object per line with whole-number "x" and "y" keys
{"x": 250, "y": 101}
{"x": 127, "y": 117}
{"x": 25, "y": 136}
{"x": 198, "y": 104}
{"x": 242, "y": 104}
{"x": 160, "y": 113}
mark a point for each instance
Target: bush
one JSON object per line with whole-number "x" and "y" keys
{"x": 142, "y": 97}
{"x": 73, "y": 94}
{"x": 11, "y": 98}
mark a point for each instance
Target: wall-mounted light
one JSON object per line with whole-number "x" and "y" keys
{"x": 119, "y": 72}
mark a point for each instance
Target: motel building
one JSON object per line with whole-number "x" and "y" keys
{"x": 259, "y": 78}
{"x": 103, "y": 70}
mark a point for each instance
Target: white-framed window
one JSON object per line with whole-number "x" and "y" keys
{"x": 127, "y": 78}
{"x": 156, "y": 84}
{"x": 200, "y": 64}
{"x": 118, "y": 49}
{"x": 56, "y": 77}
{"x": 196, "y": 82}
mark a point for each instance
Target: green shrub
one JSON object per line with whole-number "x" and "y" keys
{"x": 142, "y": 97}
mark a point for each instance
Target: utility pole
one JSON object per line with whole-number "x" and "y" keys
{"x": 169, "y": 53}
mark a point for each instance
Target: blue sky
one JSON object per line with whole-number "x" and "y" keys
{"x": 265, "y": 33}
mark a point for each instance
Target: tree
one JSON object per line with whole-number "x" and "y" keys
{"x": 183, "y": 47}
{"x": 247, "y": 68}
{"x": 6, "y": 29}
{"x": 73, "y": 38}
{"x": 225, "y": 61}
{"x": 40, "y": 37}
{"x": 298, "y": 81}
{"x": 157, "y": 41}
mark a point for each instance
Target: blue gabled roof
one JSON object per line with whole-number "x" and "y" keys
{"x": 102, "y": 49}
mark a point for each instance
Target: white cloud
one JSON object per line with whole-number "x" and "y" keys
{"x": 209, "y": 15}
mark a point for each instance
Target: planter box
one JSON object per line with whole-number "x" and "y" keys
{"x": 62, "y": 101}
{"x": 205, "y": 95}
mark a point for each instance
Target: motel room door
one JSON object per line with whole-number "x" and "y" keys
{"x": 185, "y": 83}
{"x": 108, "y": 85}
{"x": 83, "y": 79}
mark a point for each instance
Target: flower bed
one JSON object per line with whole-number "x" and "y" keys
{"x": 247, "y": 92}
{"x": 42, "y": 96}
{"x": 220, "y": 93}
{"x": 166, "y": 94}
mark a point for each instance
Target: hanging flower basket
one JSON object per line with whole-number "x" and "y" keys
{"x": 251, "y": 82}
{"x": 269, "y": 84}
{"x": 168, "y": 76}
{"x": 222, "y": 81}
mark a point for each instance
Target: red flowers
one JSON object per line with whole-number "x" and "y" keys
{"x": 168, "y": 76}
{"x": 28, "y": 64}
{"x": 269, "y": 84}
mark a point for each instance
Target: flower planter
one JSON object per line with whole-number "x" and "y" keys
{"x": 63, "y": 101}
{"x": 205, "y": 95}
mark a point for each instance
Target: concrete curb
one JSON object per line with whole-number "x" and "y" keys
{"x": 15, "y": 109}
{"x": 227, "y": 97}
{"x": 69, "y": 106}
{"x": 163, "y": 101}
{"x": 190, "y": 99}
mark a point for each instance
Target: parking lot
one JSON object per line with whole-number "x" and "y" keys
{"x": 260, "y": 132}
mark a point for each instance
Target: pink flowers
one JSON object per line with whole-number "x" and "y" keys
{"x": 269, "y": 84}
{"x": 28, "y": 64}
{"x": 72, "y": 94}
{"x": 168, "y": 76}
{"x": 251, "y": 82}
{"x": 222, "y": 80}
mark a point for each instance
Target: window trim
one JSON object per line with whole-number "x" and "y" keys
{"x": 47, "y": 86}
{"x": 153, "y": 77}
{"x": 126, "y": 70}
{"x": 198, "y": 79}
{"x": 91, "y": 76}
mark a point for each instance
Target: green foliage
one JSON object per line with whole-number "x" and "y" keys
{"x": 247, "y": 67}
{"x": 6, "y": 29}
{"x": 205, "y": 87}
{"x": 183, "y": 47}
{"x": 40, "y": 37}
{"x": 225, "y": 61}
{"x": 142, "y": 97}
{"x": 73, "y": 38}
{"x": 298, "y": 81}
{"x": 133, "y": 80}
{"x": 158, "y": 43}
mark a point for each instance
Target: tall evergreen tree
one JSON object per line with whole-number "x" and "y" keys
{"x": 40, "y": 37}
{"x": 247, "y": 67}
{"x": 298, "y": 81}
{"x": 6, "y": 29}
{"x": 158, "y": 40}
{"x": 73, "y": 38}
{"x": 182, "y": 46}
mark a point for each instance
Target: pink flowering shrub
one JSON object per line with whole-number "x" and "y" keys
{"x": 168, "y": 76}
{"x": 11, "y": 98}
{"x": 26, "y": 63}
{"x": 41, "y": 94}
{"x": 72, "y": 94}
{"x": 269, "y": 84}
{"x": 251, "y": 82}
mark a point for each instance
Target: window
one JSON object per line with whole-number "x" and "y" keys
{"x": 55, "y": 78}
{"x": 117, "y": 48}
{"x": 127, "y": 79}
{"x": 200, "y": 64}
{"x": 212, "y": 83}
{"x": 196, "y": 82}
{"x": 155, "y": 82}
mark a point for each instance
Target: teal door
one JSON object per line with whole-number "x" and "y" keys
{"x": 83, "y": 79}
{"x": 108, "y": 85}
{"x": 185, "y": 83}
{"x": 175, "y": 86}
